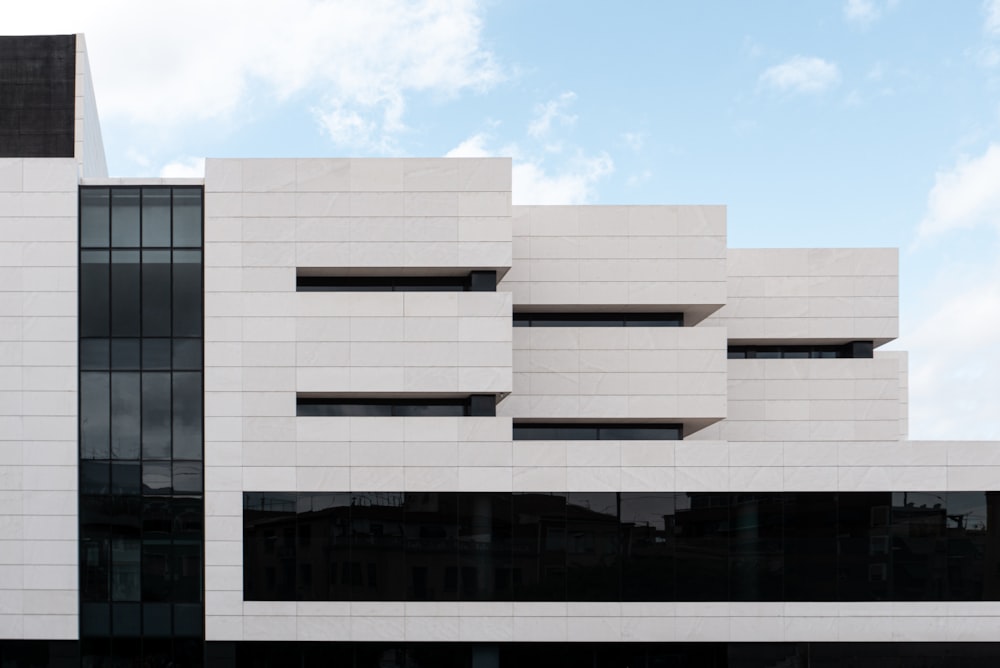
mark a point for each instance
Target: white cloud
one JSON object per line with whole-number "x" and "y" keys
{"x": 177, "y": 62}
{"x": 862, "y": 12}
{"x": 634, "y": 140}
{"x": 955, "y": 356}
{"x": 636, "y": 180}
{"x": 801, "y": 74}
{"x": 574, "y": 184}
{"x": 553, "y": 110}
{"x": 473, "y": 147}
{"x": 184, "y": 168}
{"x": 992, "y": 9}
{"x": 866, "y": 12}
{"x": 965, "y": 197}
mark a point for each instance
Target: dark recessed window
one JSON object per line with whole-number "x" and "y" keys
{"x": 544, "y": 431}
{"x": 598, "y": 319}
{"x": 476, "y": 281}
{"x": 475, "y": 405}
{"x": 854, "y": 349}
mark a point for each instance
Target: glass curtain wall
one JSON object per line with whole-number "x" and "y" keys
{"x": 141, "y": 489}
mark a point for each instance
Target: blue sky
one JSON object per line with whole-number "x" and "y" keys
{"x": 828, "y": 123}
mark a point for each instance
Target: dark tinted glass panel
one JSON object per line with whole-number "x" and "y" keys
{"x": 810, "y": 532}
{"x": 863, "y": 546}
{"x": 970, "y": 553}
{"x": 482, "y": 281}
{"x": 156, "y": 619}
{"x": 482, "y": 405}
{"x": 156, "y": 305}
{"x": 187, "y": 296}
{"x": 124, "y": 293}
{"x": 187, "y": 477}
{"x": 188, "y": 624}
{"x": 95, "y": 416}
{"x": 95, "y": 620}
{"x": 306, "y": 407}
{"x": 125, "y": 436}
{"x": 187, "y": 353}
{"x": 156, "y": 416}
{"x": 583, "y": 431}
{"x": 269, "y": 551}
{"x": 125, "y": 354}
{"x": 95, "y": 548}
{"x": 539, "y": 547}
{"x": 187, "y": 402}
{"x": 554, "y": 432}
{"x": 418, "y": 410}
{"x": 640, "y": 433}
{"x": 431, "y": 547}
{"x": 126, "y": 622}
{"x": 485, "y": 560}
{"x": 156, "y": 354}
{"x": 848, "y": 350}
{"x": 647, "y": 540}
{"x": 598, "y": 319}
{"x": 95, "y": 290}
{"x": 157, "y": 553}
{"x": 95, "y": 477}
{"x": 701, "y": 524}
{"x": 592, "y": 549}
{"x": 125, "y": 478}
{"x": 187, "y": 548}
{"x": 155, "y": 217}
{"x": 124, "y": 217}
{"x": 95, "y": 217}
{"x": 377, "y": 570}
{"x": 187, "y": 217}
{"x": 125, "y": 551}
{"x": 156, "y": 477}
{"x": 95, "y": 354}
{"x": 756, "y": 548}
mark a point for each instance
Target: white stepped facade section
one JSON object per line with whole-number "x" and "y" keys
{"x": 752, "y": 425}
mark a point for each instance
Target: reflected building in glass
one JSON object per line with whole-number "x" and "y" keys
{"x": 365, "y": 412}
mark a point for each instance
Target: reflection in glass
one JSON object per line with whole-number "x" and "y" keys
{"x": 155, "y": 217}
{"x": 95, "y": 416}
{"x": 187, "y": 418}
{"x": 95, "y": 287}
{"x": 156, "y": 415}
{"x": 155, "y": 293}
{"x": 95, "y": 218}
{"x": 125, "y": 417}
{"x": 124, "y": 217}
{"x": 187, "y": 217}
{"x": 187, "y": 293}
{"x": 124, "y": 293}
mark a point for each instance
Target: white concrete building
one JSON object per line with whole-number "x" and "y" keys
{"x": 315, "y": 410}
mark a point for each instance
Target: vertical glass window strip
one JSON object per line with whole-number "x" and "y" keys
{"x": 141, "y": 474}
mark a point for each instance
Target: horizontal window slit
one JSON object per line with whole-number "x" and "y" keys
{"x": 851, "y": 350}
{"x": 584, "y": 431}
{"x": 475, "y": 281}
{"x": 478, "y": 405}
{"x": 598, "y": 319}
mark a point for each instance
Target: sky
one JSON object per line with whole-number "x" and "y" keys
{"x": 843, "y": 123}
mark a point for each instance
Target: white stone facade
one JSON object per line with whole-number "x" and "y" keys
{"x": 753, "y": 425}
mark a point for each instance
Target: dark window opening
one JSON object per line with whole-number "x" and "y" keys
{"x": 475, "y": 281}
{"x": 478, "y": 405}
{"x": 854, "y": 349}
{"x": 582, "y": 431}
{"x": 598, "y": 319}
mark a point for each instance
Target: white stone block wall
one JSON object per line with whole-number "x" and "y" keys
{"x": 88, "y": 143}
{"x": 667, "y": 258}
{"x": 666, "y": 374}
{"x": 38, "y": 398}
{"x": 816, "y": 294}
{"x": 778, "y": 400}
